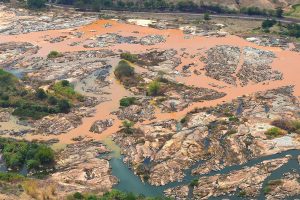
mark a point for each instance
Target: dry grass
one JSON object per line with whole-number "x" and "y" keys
{"x": 36, "y": 190}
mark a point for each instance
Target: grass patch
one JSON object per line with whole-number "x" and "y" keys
{"x": 275, "y": 132}
{"x": 287, "y": 125}
{"x": 11, "y": 177}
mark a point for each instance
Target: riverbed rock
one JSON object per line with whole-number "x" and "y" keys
{"x": 249, "y": 180}
{"x": 79, "y": 169}
{"x": 101, "y": 125}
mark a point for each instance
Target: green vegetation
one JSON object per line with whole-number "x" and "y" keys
{"x": 16, "y": 154}
{"x": 291, "y": 30}
{"x": 123, "y": 70}
{"x": 183, "y": 120}
{"x": 37, "y": 103}
{"x": 10, "y": 176}
{"x": 127, "y": 101}
{"x": 129, "y": 57}
{"x": 164, "y": 5}
{"x": 194, "y": 183}
{"x": 271, "y": 184}
{"x": 113, "y": 195}
{"x": 206, "y": 16}
{"x": 36, "y": 4}
{"x": 63, "y": 89}
{"x": 266, "y": 24}
{"x": 295, "y": 11}
{"x": 233, "y": 119}
{"x": 127, "y": 126}
{"x": 242, "y": 193}
{"x": 274, "y": 132}
{"x": 154, "y": 88}
{"x": 54, "y": 54}
{"x": 287, "y": 125}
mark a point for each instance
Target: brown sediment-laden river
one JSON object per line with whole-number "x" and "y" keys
{"x": 284, "y": 61}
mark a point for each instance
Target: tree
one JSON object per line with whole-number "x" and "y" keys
{"x": 206, "y": 16}
{"x": 36, "y": 4}
{"x": 44, "y": 155}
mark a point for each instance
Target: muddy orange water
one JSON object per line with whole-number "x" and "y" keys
{"x": 286, "y": 62}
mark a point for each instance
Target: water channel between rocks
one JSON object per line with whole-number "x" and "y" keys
{"x": 130, "y": 182}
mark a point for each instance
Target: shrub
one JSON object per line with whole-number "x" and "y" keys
{"x": 33, "y": 164}
{"x": 183, "y": 120}
{"x": 266, "y": 24}
{"x": 154, "y": 88}
{"x": 233, "y": 119}
{"x": 41, "y": 94}
{"x": 52, "y": 100}
{"x": 274, "y": 132}
{"x": 206, "y": 16}
{"x": 127, "y": 101}
{"x": 127, "y": 126}
{"x": 54, "y": 54}
{"x": 78, "y": 195}
{"x": 64, "y": 89}
{"x": 65, "y": 83}
{"x": 64, "y": 106}
{"x": 124, "y": 69}
{"x": 36, "y": 4}
{"x": 194, "y": 183}
{"x": 44, "y": 155}
{"x": 128, "y": 56}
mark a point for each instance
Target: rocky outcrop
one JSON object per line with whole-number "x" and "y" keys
{"x": 79, "y": 169}
{"x": 210, "y": 139}
{"x": 152, "y": 39}
{"x": 249, "y": 180}
{"x": 222, "y": 62}
{"x": 101, "y": 125}
{"x": 283, "y": 188}
{"x": 256, "y": 67}
{"x": 248, "y": 65}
